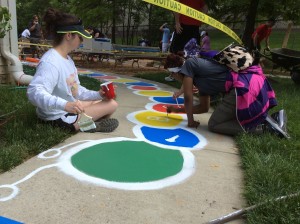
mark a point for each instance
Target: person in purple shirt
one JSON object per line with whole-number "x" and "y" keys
{"x": 205, "y": 41}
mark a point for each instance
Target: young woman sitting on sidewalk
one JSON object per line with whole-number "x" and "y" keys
{"x": 55, "y": 88}
{"x": 244, "y": 108}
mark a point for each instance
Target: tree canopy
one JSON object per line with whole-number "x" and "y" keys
{"x": 107, "y": 15}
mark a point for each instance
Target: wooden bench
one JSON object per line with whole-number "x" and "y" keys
{"x": 127, "y": 52}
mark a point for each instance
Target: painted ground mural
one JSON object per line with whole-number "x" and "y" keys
{"x": 160, "y": 155}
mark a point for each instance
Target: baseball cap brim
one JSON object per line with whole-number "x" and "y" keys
{"x": 79, "y": 29}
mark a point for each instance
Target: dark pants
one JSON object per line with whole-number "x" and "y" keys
{"x": 224, "y": 119}
{"x": 180, "y": 39}
{"x": 34, "y": 48}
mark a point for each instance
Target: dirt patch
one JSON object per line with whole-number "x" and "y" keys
{"x": 125, "y": 69}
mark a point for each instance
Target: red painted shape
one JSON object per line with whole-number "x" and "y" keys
{"x": 161, "y": 107}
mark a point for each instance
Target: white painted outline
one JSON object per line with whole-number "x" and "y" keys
{"x": 57, "y": 150}
{"x": 202, "y": 140}
{"x": 43, "y": 154}
{"x": 14, "y": 185}
{"x": 131, "y": 118}
{"x": 15, "y": 191}
{"x": 66, "y": 166}
{"x": 27, "y": 177}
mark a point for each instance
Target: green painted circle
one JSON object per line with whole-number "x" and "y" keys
{"x": 128, "y": 161}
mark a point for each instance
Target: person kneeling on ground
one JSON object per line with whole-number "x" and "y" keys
{"x": 244, "y": 108}
{"x": 55, "y": 88}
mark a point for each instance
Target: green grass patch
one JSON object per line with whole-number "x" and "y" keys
{"x": 21, "y": 134}
{"x": 271, "y": 165}
{"x": 158, "y": 77}
{"x": 219, "y": 40}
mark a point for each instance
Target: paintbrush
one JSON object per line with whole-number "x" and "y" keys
{"x": 177, "y": 103}
{"x": 86, "y": 122}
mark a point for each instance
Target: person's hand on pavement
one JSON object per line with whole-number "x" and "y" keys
{"x": 193, "y": 124}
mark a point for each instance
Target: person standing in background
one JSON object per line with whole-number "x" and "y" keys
{"x": 205, "y": 41}
{"x": 35, "y": 34}
{"x": 187, "y": 28}
{"x": 261, "y": 33}
{"x": 165, "y": 38}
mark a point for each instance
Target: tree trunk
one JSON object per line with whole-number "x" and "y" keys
{"x": 113, "y": 31}
{"x": 149, "y": 21}
{"x": 250, "y": 23}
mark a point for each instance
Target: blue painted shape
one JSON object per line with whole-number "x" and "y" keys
{"x": 96, "y": 74}
{"x": 180, "y": 137}
{"x": 168, "y": 99}
{"x": 139, "y": 84}
{"x": 4, "y": 220}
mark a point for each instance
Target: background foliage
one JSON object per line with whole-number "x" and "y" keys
{"x": 127, "y": 17}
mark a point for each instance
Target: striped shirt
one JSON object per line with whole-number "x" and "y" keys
{"x": 255, "y": 96}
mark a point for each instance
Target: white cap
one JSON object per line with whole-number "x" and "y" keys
{"x": 203, "y": 33}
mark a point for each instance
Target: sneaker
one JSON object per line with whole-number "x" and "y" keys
{"x": 169, "y": 79}
{"x": 105, "y": 125}
{"x": 272, "y": 126}
{"x": 281, "y": 118}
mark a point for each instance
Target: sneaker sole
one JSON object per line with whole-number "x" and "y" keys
{"x": 107, "y": 125}
{"x": 276, "y": 128}
{"x": 281, "y": 118}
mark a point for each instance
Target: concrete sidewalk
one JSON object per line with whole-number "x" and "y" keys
{"x": 39, "y": 191}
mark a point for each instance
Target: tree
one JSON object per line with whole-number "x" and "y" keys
{"x": 250, "y": 22}
{"x": 132, "y": 14}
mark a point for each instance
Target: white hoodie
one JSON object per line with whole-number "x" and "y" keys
{"x": 54, "y": 84}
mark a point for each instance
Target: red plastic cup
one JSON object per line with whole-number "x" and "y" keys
{"x": 109, "y": 90}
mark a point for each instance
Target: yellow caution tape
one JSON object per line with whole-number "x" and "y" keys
{"x": 190, "y": 12}
{"x": 40, "y": 45}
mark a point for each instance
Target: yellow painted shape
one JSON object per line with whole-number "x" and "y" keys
{"x": 125, "y": 80}
{"x": 154, "y": 93}
{"x": 158, "y": 119}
